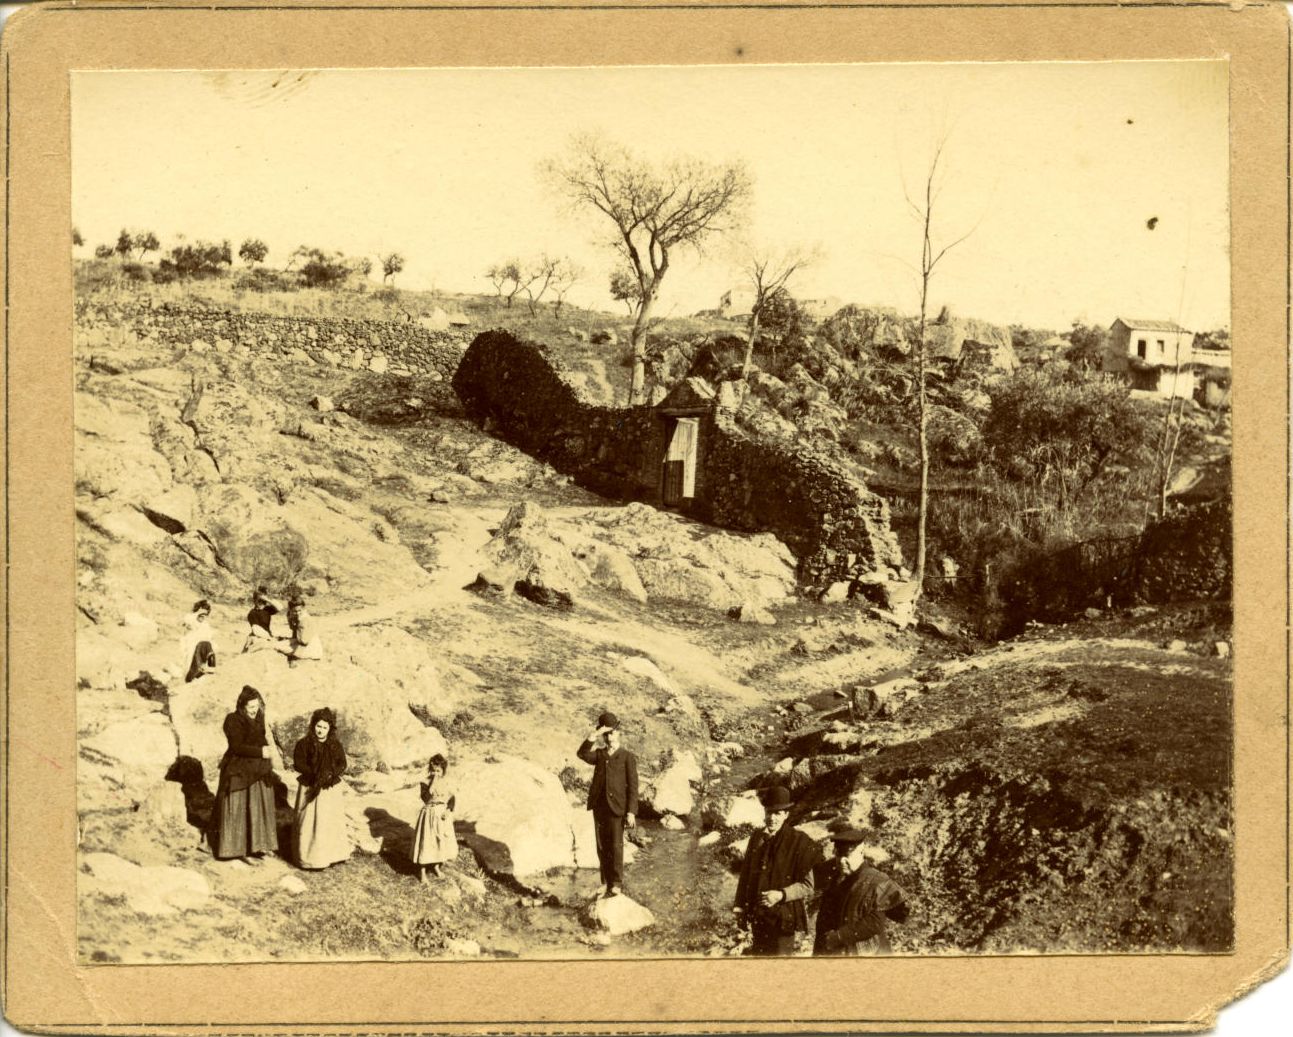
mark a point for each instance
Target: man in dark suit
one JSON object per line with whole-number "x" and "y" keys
{"x": 776, "y": 879}
{"x": 612, "y": 797}
{"x": 858, "y": 900}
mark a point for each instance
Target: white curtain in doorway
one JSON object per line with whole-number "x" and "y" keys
{"x": 682, "y": 447}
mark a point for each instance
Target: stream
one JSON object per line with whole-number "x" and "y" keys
{"x": 689, "y": 888}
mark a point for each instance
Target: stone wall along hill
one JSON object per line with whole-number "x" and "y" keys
{"x": 398, "y": 347}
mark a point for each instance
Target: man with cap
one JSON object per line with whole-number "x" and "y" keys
{"x": 612, "y": 796}
{"x": 858, "y": 900}
{"x": 776, "y": 879}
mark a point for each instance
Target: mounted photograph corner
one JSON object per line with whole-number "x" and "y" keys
{"x": 799, "y": 528}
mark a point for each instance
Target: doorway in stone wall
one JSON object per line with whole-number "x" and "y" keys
{"x": 679, "y": 470}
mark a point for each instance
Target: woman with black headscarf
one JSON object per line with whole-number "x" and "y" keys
{"x": 243, "y": 823}
{"x": 319, "y": 832}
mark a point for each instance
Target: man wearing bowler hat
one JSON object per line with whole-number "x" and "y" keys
{"x": 612, "y": 797}
{"x": 858, "y": 900}
{"x": 776, "y": 879}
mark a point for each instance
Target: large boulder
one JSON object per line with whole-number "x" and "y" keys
{"x": 740, "y": 811}
{"x": 520, "y": 816}
{"x": 612, "y": 569}
{"x": 616, "y": 915}
{"x": 679, "y": 559}
{"x": 378, "y": 680}
{"x": 114, "y": 454}
{"x": 141, "y": 750}
{"x": 524, "y": 548}
{"x": 670, "y": 791}
{"x": 148, "y": 890}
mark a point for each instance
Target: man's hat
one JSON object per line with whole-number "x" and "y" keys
{"x": 776, "y": 798}
{"x": 853, "y": 835}
{"x": 608, "y": 719}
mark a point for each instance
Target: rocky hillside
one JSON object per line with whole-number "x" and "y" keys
{"x": 471, "y": 600}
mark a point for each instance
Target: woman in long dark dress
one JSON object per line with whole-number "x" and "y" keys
{"x": 243, "y": 823}
{"x": 319, "y": 830}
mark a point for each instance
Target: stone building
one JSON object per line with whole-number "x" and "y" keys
{"x": 686, "y": 454}
{"x": 1156, "y": 356}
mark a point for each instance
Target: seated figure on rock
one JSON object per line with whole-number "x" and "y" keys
{"x": 304, "y": 641}
{"x": 260, "y": 619}
{"x": 198, "y": 655}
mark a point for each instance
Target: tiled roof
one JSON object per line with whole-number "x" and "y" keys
{"x": 1151, "y": 325}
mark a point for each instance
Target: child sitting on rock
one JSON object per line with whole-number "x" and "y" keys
{"x": 199, "y": 657}
{"x": 434, "y": 842}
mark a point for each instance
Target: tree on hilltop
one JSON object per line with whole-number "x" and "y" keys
{"x": 392, "y": 264}
{"x": 656, "y": 209}
{"x": 125, "y": 245}
{"x": 768, "y": 273}
{"x": 146, "y": 241}
{"x": 563, "y": 280}
{"x": 555, "y": 273}
{"x": 76, "y": 238}
{"x": 509, "y": 273}
{"x": 104, "y": 251}
{"x": 253, "y": 251}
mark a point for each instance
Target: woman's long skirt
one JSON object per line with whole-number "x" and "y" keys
{"x": 319, "y": 833}
{"x": 245, "y": 822}
{"x": 434, "y": 841}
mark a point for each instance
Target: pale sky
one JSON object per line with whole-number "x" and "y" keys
{"x": 1054, "y": 167}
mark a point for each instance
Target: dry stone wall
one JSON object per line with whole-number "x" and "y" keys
{"x": 397, "y": 347}
{"x": 837, "y": 529}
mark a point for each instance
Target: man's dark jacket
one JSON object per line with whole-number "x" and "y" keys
{"x": 854, "y": 912}
{"x": 774, "y": 862}
{"x": 615, "y": 780}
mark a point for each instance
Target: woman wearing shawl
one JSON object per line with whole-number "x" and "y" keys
{"x": 243, "y": 823}
{"x": 319, "y": 831}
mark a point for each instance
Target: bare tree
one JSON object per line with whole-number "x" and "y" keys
{"x": 540, "y": 273}
{"x": 655, "y": 209}
{"x": 510, "y": 272}
{"x": 930, "y": 256}
{"x": 768, "y": 273}
{"x": 565, "y": 278}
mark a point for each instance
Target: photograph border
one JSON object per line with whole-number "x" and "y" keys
{"x": 44, "y": 985}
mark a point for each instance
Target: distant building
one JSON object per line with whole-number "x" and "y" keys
{"x": 1149, "y": 352}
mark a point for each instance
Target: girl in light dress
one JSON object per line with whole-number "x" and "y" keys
{"x": 319, "y": 830}
{"x": 434, "y": 842}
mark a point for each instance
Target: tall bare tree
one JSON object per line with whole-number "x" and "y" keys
{"x": 656, "y": 209}
{"x": 768, "y": 273}
{"x": 931, "y": 255}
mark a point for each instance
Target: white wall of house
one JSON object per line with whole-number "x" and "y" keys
{"x": 1149, "y": 345}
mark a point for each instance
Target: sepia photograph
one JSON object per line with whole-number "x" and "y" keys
{"x": 675, "y": 511}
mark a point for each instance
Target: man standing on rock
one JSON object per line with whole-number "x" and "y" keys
{"x": 858, "y": 901}
{"x": 612, "y": 797}
{"x": 776, "y": 879}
